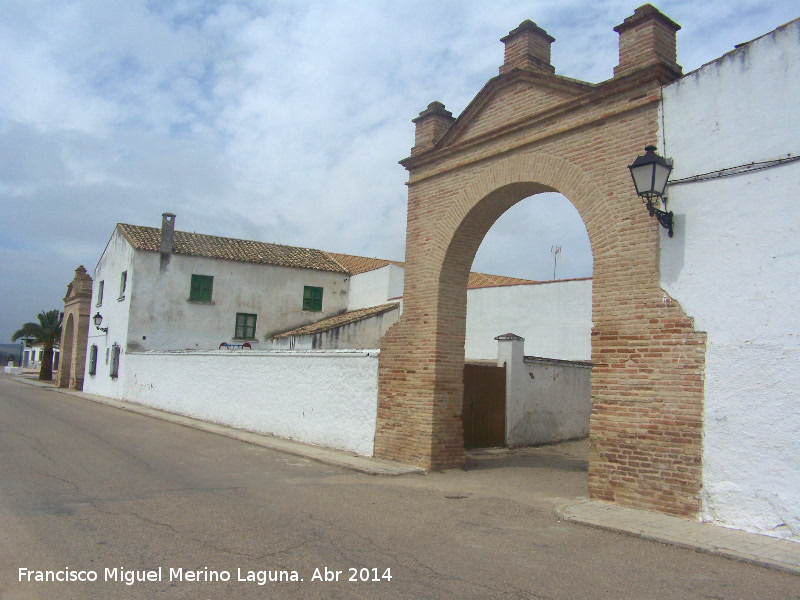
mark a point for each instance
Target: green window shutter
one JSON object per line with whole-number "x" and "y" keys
{"x": 245, "y": 326}
{"x": 114, "y": 369}
{"x": 312, "y": 298}
{"x": 201, "y": 288}
{"x": 93, "y": 360}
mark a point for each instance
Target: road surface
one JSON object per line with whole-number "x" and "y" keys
{"x": 155, "y": 509}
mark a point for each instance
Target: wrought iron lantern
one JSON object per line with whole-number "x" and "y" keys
{"x": 98, "y": 320}
{"x": 650, "y": 173}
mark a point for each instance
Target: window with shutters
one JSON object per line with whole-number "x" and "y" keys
{"x": 93, "y": 360}
{"x": 113, "y": 370}
{"x": 123, "y": 285}
{"x": 201, "y": 288}
{"x": 245, "y": 326}
{"x": 312, "y": 298}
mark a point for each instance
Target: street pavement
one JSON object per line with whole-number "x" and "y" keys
{"x": 87, "y": 487}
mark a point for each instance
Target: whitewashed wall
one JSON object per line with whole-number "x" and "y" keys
{"x": 546, "y": 400}
{"x": 114, "y": 309}
{"x": 734, "y": 266}
{"x": 555, "y": 318}
{"x": 375, "y": 287}
{"x": 325, "y": 398}
{"x": 163, "y": 317}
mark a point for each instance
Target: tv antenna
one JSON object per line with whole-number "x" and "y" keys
{"x": 554, "y": 252}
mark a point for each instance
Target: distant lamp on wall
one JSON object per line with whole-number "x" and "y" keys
{"x": 650, "y": 173}
{"x": 98, "y": 320}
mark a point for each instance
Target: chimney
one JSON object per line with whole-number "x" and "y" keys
{"x": 167, "y": 232}
{"x": 527, "y": 47}
{"x": 647, "y": 38}
{"x": 432, "y": 123}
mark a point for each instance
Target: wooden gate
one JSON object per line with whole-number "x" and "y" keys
{"x": 484, "y": 410}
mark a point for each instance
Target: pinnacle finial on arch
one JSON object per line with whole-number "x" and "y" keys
{"x": 431, "y": 124}
{"x": 528, "y": 48}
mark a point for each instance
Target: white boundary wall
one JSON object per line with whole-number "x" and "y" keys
{"x": 327, "y": 398}
{"x": 734, "y": 266}
{"x": 554, "y": 317}
{"x": 547, "y": 400}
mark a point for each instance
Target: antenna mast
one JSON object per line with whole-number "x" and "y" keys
{"x": 554, "y": 252}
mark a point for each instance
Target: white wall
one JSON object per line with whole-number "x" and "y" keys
{"x": 163, "y": 318}
{"x": 734, "y": 266}
{"x": 555, "y": 318}
{"x": 546, "y": 400}
{"x": 325, "y": 398}
{"x": 118, "y": 257}
{"x": 376, "y": 287}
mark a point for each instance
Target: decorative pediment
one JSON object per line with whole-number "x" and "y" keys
{"x": 80, "y": 286}
{"x": 512, "y": 99}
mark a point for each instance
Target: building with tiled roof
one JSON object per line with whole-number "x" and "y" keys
{"x": 171, "y": 290}
{"x": 167, "y": 290}
{"x": 211, "y": 246}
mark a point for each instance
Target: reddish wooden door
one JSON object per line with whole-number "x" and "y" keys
{"x": 484, "y": 410}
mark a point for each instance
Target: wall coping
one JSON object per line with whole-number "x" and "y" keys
{"x": 263, "y": 353}
{"x": 558, "y": 361}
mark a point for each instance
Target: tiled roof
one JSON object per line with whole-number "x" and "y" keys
{"x": 339, "y": 320}
{"x": 211, "y": 246}
{"x": 361, "y": 264}
{"x": 482, "y": 280}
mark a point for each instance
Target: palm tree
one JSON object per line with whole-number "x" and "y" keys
{"x": 46, "y": 332}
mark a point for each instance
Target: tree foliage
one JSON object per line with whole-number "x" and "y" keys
{"x": 46, "y": 332}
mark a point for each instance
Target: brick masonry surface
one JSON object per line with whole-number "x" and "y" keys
{"x": 75, "y": 331}
{"x": 530, "y": 131}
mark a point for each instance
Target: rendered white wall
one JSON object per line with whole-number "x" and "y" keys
{"x": 734, "y": 266}
{"x": 324, "y": 398}
{"x": 118, "y": 257}
{"x": 375, "y": 287}
{"x": 163, "y": 318}
{"x": 546, "y": 400}
{"x": 555, "y": 318}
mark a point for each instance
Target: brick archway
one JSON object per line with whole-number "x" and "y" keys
{"x": 530, "y": 131}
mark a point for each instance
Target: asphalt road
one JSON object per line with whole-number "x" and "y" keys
{"x": 86, "y": 488}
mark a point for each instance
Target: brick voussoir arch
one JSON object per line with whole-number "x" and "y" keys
{"x": 537, "y": 169}
{"x": 435, "y": 384}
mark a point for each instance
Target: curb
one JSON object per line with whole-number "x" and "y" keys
{"x": 758, "y": 549}
{"x": 328, "y": 456}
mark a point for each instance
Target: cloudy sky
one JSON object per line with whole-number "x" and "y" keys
{"x": 280, "y": 121}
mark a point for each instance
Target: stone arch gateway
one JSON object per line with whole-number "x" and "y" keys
{"x": 75, "y": 330}
{"x": 530, "y": 131}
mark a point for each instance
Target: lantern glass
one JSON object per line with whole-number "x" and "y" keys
{"x": 661, "y": 171}
{"x": 650, "y": 173}
{"x": 98, "y": 319}
{"x": 642, "y": 177}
